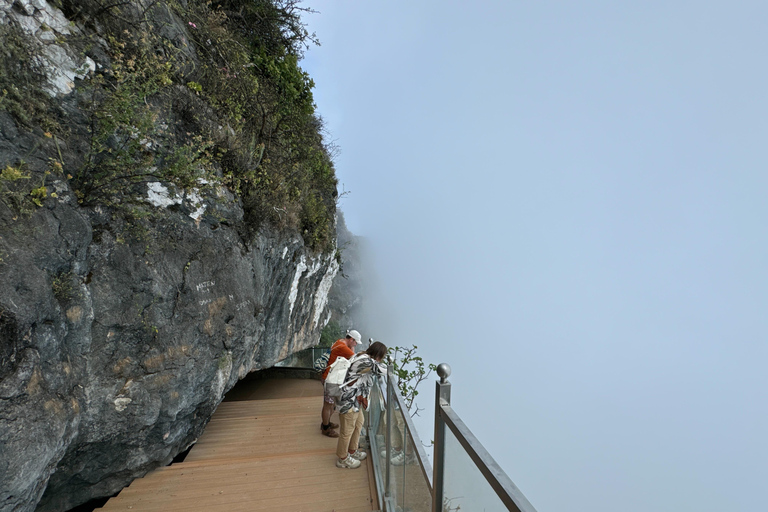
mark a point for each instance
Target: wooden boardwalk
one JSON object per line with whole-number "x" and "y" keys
{"x": 261, "y": 451}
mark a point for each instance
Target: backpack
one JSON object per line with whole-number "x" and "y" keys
{"x": 337, "y": 375}
{"x": 322, "y": 362}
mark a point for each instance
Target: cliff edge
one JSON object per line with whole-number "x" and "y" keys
{"x": 166, "y": 227}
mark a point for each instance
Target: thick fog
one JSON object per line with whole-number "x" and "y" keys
{"x": 566, "y": 202}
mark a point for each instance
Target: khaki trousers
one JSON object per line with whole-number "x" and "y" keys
{"x": 350, "y": 425}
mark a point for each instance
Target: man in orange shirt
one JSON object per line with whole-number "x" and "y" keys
{"x": 344, "y": 348}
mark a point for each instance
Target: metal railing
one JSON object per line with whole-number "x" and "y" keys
{"x": 302, "y": 359}
{"x": 465, "y": 476}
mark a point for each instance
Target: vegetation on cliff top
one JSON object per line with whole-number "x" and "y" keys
{"x": 194, "y": 94}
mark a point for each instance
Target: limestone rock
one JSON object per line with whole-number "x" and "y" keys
{"x": 117, "y": 345}
{"x": 44, "y": 23}
{"x": 115, "y": 376}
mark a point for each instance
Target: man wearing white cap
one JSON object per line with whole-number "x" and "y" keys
{"x": 343, "y": 347}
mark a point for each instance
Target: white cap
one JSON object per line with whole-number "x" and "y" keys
{"x": 356, "y": 335}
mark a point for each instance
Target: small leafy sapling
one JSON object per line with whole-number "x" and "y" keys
{"x": 410, "y": 370}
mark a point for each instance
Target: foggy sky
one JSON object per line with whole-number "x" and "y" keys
{"x": 566, "y": 202}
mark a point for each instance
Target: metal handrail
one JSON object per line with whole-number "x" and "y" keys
{"x": 445, "y": 416}
{"x": 507, "y": 491}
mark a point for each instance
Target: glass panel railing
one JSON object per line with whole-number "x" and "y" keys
{"x": 377, "y": 436}
{"x": 409, "y": 488}
{"x": 464, "y": 486}
{"x": 417, "y": 496}
{"x": 375, "y": 411}
{"x": 414, "y": 449}
{"x": 302, "y": 359}
{"x": 399, "y": 482}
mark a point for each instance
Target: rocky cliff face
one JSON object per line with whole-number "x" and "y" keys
{"x": 115, "y": 357}
{"x": 121, "y": 330}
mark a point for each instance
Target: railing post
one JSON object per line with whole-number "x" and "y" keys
{"x": 388, "y": 440}
{"x": 442, "y": 397}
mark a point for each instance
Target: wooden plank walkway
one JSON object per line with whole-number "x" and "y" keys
{"x": 261, "y": 451}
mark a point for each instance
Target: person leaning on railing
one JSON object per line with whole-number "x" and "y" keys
{"x": 343, "y": 347}
{"x": 354, "y": 398}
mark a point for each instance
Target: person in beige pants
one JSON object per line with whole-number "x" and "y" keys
{"x": 350, "y": 426}
{"x": 354, "y": 398}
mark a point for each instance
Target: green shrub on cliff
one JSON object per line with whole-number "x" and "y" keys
{"x": 19, "y": 192}
{"x": 207, "y": 92}
{"x": 330, "y": 333}
{"x": 127, "y": 145}
{"x": 278, "y": 160}
{"x": 22, "y": 80}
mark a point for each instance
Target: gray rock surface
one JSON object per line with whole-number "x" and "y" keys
{"x": 43, "y": 23}
{"x": 118, "y": 337}
{"x": 115, "y": 356}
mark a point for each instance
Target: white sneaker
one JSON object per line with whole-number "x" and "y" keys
{"x": 359, "y": 455}
{"x": 401, "y": 458}
{"x": 395, "y": 454}
{"x": 348, "y": 463}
